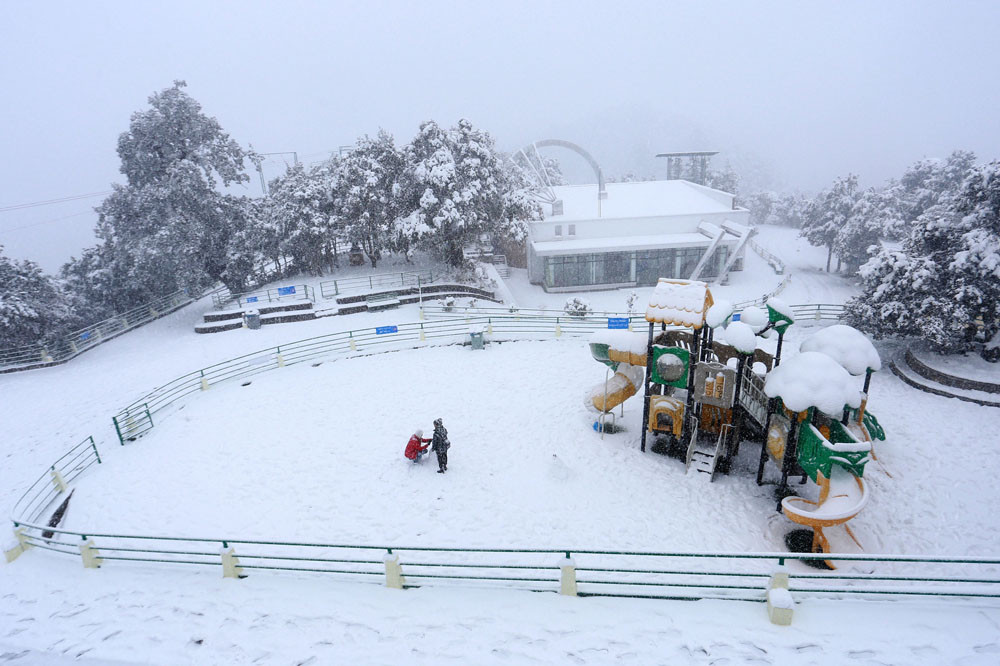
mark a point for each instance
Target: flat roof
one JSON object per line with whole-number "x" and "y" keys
{"x": 621, "y": 244}
{"x": 654, "y": 198}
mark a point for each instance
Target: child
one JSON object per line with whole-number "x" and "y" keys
{"x": 441, "y": 445}
{"x": 414, "y": 451}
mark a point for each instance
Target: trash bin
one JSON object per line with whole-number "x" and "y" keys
{"x": 252, "y": 319}
{"x": 476, "y": 338}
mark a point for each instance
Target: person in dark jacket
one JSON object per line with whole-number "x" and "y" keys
{"x": 417, "y": 447}
{"x": 440, "y": 445}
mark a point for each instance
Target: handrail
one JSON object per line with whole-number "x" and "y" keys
{"x": 604, "y": 571}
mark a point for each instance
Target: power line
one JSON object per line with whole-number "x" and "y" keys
{"x": 49, "y": 202}
{"x": 40, "y": 223}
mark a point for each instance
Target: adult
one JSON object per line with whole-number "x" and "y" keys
{"x": 417, "y": 447}
{"x": 440, "y": 445}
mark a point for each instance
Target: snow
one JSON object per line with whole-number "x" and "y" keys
{"x": 53, "y": 610}
{"x": 810, "y": 379}
{"x": 780, "y": 597}
{"x": 679, "y": 302}
{"x": 719, "y": 313}
{"x": 969, "y": 366}
{"x": 741, "y": 336}
{"x": 633, "y": 342}
{"x": 639, "y": 199}
{"x": 847, "y": 346}
{"x": 617, "y": 244}
{"x": 755, "y": 317}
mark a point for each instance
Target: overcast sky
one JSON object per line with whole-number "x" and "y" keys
{"x": 806, "y": 90}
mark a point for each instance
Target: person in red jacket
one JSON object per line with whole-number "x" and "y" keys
{"x": 414, "y": 450}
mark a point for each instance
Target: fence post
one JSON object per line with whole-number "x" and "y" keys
{"x": 204, "y": 382}
{"x": 567, "y": 578}
{"x": 422, "y": 336}
{"x": 94, "y": 446}
{"x": 22, "y": 545}
{"x": 230, "y": 563}
{"x": 393, "y": 572}
{"x": 350, "y": 335}
{"x": 46, "y": 357}
{"x": 57, "y": 479}
{"x": 421, "y": 310}
{"x": 90, "y": 554}
{"x": 818, "y": 317}
{"x": 780, "y": 605}
{"x": 489, "y": 326}
{"x": 558, "y": 328}
{"x": 281, "y": 359}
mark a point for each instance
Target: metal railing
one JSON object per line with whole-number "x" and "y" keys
{"x": 692, "y": 575}
{"x": 261, "y": 297}
{"x": 78, "y": 341}
{"x": 403, "y": 280}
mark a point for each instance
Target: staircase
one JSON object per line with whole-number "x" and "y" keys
{"x": 500, "y": 261}
{"x": 920, "y": 376}
{"x": 705, "y": 450}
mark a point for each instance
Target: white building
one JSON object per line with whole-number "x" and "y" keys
{"x": 641, "y": 232}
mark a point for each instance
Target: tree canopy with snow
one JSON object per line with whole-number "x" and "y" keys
{"x": 827, "y": 214}
{"x": 32, "y": 305}
{"x": 944, "y": 285}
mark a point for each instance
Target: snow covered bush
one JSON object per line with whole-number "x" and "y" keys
{"x": 630, "y": 302}
{"x": 577, "y": 307}
{"x": 447, "y": 303}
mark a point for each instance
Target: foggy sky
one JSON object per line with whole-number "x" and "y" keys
{"x": 808, "y": 91}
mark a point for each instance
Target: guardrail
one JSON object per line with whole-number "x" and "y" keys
{"x": 76, "y": 342}
{"x": 333, "y": 288}
{"x": 292, "y": 292}
{"x": 693, "y": 575}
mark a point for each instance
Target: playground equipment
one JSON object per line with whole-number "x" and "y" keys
{"x": 809, "y": 413}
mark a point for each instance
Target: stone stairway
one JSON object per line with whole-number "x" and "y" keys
{"x": 919, "y": 375}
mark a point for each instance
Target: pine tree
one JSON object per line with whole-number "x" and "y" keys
{"x": 825, "y": 215}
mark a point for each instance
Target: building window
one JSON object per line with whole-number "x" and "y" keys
{"x": 558, "y": 230}
{"x": 572, "y": 230}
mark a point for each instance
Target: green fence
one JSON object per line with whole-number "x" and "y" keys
{"x": 404, "y": 280}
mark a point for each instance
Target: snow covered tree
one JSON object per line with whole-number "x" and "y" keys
{"x": 368, "y": 193}
{"x": 930, "y": 182}
{"x": 539, "y": 170}
{"x": 945, "y": 283}
{"x": 33, "y": 306}
{"x": 169, "y": 227}
{"x": 295, "y": 207}
{"x": 825, "y": 215}
{"x": 858, "y": 239}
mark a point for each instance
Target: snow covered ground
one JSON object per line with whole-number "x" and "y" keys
{"x": 316, "y": 452}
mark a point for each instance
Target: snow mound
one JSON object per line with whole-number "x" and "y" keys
{"x": 847, "y": 346}
{"x": 755, "y": 317}
{"x": 811, "y": 379}
{"x": 630, "y": 341}
{"x": 719, "y": 313}
{"x": 780, "y": 597}
{"x": 679, "y": 302}
{"x": 741, "y": 336}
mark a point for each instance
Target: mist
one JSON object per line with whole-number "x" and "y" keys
{"x": 791, "y": 94}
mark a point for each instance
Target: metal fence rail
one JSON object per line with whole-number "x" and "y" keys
{"x": 76, "y": 342}
{"x": 403, "y": 280}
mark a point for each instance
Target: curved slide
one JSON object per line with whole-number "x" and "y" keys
{"x": 841, "y": 497}
{"x": 622, "y": 386}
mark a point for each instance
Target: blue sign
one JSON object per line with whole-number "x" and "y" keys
{"x": 286, "y": 291}
{"x": 251, "y": 299}
{"x": 736, "y": 317}
{"x": 85, "y": 335}
{"x": 382, "y": 330}
{"x": 617, "y": 322}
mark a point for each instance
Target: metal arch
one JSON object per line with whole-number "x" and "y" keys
{"x": 602, "y": 192}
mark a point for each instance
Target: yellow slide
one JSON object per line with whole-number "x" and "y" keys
{"x": 841, "y": 497}
{"x": 622, "y": 386}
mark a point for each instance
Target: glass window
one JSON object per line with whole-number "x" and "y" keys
{"x": 572, "y": 230}
{"x": 558, "y": 230}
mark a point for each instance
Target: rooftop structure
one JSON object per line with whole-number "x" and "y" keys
{"x": 641, "y": 232}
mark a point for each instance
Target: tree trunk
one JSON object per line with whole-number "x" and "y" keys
{"x": 829, "y": 256}
{"x": 838, "y": 264}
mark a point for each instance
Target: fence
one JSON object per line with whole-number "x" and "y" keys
{"x": 333, "y": 288}
{"x": 79, "y": 341}
{"x": 293, "y": 292}
{"x": 593, "y": 572}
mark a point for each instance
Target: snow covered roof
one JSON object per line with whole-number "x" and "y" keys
{"x": 847, "y": 346}
{"x": 811, "y": 379}
{"x": 619, "y": 243}
{"x": 679, "y": 302}
{"x": 642, "y": 199}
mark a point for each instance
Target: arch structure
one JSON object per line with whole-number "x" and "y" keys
{"x": 548, "y": 195}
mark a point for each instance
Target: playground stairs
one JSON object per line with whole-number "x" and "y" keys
{"x": 703, "y": 456}
{"x": 920, "y": 376}
{"x": 500, "y": 261}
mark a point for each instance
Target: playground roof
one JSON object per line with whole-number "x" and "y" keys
{"x": 679, "y": 303}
